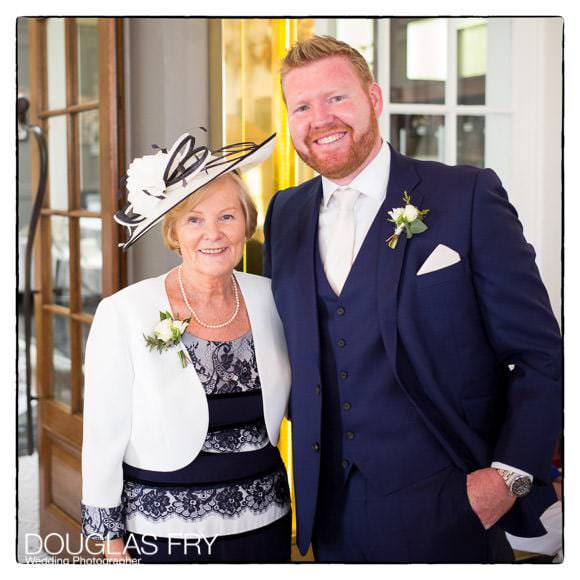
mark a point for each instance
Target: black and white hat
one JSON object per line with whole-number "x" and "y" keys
{"x": 157, "y": 183}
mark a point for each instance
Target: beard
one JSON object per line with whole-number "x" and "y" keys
{"x": 342, "y": 165}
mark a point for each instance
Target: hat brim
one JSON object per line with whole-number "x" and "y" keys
{"x": 205, "y": 176}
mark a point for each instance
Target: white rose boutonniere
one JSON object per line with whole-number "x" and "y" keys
{"x": 408, "y": 219}
{"x": 167, "y": 334}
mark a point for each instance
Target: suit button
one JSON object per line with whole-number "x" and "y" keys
{"x": 341, "y": 342}
{"x": 317, "y": 389}
{"x": 340, "y": 311}
{"x": 346, "y": 406}
{"x": 316, "y": 446}
{"x": 343, "y": 375}
{"x": 344, "y": 463}
{"x": 349, "y": 435}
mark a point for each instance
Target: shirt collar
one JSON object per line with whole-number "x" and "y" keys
{"x": 371, "y": 181}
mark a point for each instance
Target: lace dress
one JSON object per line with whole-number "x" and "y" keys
{"x": 237, "y": 483}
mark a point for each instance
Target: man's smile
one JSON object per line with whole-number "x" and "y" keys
{"x": 329, "y": 139}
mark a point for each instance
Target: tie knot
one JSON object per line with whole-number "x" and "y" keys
{"x": 345, "y": 198}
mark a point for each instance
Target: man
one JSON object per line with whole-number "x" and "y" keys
{"x": 413, "y": 441}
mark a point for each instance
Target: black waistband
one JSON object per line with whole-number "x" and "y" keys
{"x": 234, "y": 409}
{"x": 209, "y": 469}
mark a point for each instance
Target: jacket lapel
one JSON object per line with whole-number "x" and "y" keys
{"x": 176, "y": 394}
{"x": 303, "y": 309}
{"x": 402, "y": 177}
{"x": 270, "y": 349}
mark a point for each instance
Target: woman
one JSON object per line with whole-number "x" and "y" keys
{"x": 187, "y": 379}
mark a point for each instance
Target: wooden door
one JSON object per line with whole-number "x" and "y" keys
{"x": 76, "y": 96}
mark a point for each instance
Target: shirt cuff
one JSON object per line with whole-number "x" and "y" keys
{"x": 102, "y": 523}
{"x": 498, "y": 465}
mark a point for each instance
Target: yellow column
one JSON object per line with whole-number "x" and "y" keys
{"x": 284, "y": 34}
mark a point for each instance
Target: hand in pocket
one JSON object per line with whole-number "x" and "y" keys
{"x": 488, "y": 496}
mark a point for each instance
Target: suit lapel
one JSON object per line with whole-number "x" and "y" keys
{"x": 304, "y": 308}
{"x": 402, "y": 177}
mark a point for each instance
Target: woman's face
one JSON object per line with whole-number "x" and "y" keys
{"x": 211, "y": 236}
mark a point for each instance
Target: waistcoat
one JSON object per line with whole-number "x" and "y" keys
{"x": 367, "y": 419}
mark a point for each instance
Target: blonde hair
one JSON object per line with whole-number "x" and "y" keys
{"x": 316, "y": 48}
{"x": 170, "y": 219}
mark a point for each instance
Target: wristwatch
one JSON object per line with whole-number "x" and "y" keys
{"x": 518, "y": 485}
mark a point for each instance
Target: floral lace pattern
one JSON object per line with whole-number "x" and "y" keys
{"x": 102, "y": 523}
{"x": 224, "y": 367}
{"x": 231, "y": 501}
{"x": 237, "y": 439}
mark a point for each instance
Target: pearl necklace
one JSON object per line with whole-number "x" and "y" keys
{"x": 205, "y": 325}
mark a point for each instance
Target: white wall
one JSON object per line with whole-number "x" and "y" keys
{"x": 167, "y": 94}
{"x": 536, "y": 184}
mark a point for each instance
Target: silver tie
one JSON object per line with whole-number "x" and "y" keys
{"x": 341, "y": 241}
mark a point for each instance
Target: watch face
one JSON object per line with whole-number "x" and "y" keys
{"x": 521, "y": 486}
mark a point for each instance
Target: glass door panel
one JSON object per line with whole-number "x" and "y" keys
{"x": 471, "y": 61}
{"x": 85, "y": 328}
{"x": 418, "y": 60}
{"x": 91, "y": 264}
{"x": 419, "y": 136}
{"x": 89, "y": 160}
{"x": 359, "y": 33}
{"x": 88, "y": 60}
{"x": 60, "y": 260}
{"x": 61, "y": 359}
{"x": 56, "y": 63}
{"x": 471, "y": 140}
{"x": 58, "y": 162}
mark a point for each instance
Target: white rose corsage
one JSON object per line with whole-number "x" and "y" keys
{"x": 167, "y": 334}
{"x": 408, "y": 218}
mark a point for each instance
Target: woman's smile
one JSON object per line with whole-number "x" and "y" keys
{"x": 213, "y": 251}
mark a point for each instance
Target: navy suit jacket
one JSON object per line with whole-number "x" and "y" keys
{"x": 451, "y": 335}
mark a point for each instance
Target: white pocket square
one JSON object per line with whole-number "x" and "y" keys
{"x": 441, "y": 257}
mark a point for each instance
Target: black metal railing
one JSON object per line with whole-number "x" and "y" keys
{"x": 24, "y": 131}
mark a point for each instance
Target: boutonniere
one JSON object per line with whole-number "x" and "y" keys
{"x": 167, "y": 334}
{"x": 408, "y": 218}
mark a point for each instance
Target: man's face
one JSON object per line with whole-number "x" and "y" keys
{"x": 332, "y": 117}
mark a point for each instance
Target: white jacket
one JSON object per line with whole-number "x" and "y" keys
{"x": 142, "y": 407}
